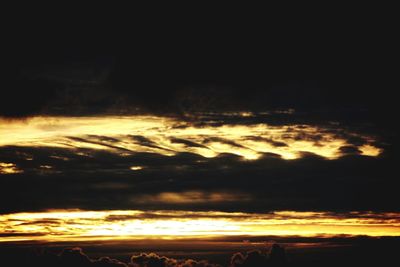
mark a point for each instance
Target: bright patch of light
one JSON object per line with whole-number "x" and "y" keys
{"x": 131, "y": 134}
{"x": 9, "y": 168}
{"x": 67, "y": 225}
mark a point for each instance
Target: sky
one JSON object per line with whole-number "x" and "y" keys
{"x": 213, "y": 146}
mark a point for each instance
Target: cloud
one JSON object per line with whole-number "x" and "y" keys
{"x": 199, "y": 76}
{"x": 186, "y": 142}
{"x": 298, "y": 251}
{"x": 108, "y": 262}
{"x": 276, "y": 257}
{"x": 74, "y": 257}
{"x": 9, "y": 168}
{"x": 99, "y": 179}
{"x": 191, "y": 197}
{"x": 144, "y": 141}
{"x": 158, "y": 135}
{"x": 251, "y": 258}
{"x": 350, "y": 150}
{"x": 77, "y": 258}
{"x": 223, "y": 141}
{"x": 45, "y": 257}
{"x": 88, "y": 225}
{"x": 268, "y": 140}
{"x": 103, "y": 142}
{"x": 24, "y": 96}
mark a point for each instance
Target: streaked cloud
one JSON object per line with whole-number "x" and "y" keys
{"x": 169, "y": 136}
{"x": 192, "y": 197}
{"x": 79, "y": 225}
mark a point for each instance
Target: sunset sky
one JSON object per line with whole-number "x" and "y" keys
{"x": 191, "y": 148}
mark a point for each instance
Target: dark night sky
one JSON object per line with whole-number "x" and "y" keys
{"x": 320, "y": 63}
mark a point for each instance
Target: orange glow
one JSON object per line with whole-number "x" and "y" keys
{"x": 9, "y": 168}
{"x": 77, "y": 225}
{"x": 369, "y": 150}
{"x": 187, "y": 197}
{"x": 136, "y": 168}
{"x": 164, "y": 136}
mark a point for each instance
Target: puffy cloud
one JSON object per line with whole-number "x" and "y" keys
{"x": 255, "y": 258}
{"x": 108, "y": 262}
{"x": 152, "y": 260}
{"x": 77, "y": 258}
{"x": 301, "y": 251}
{"x": 74, "y": 257}
{"x": 45, "y": 258}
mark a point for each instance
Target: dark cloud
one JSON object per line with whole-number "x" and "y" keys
{"x": 326, "y": 74}
{"x": 66, "y": 258}
{"x": 291, "y": 251}
{"x": 104, "y": 138}
{"x": 275, "y": 257}
{"x": 223, "y": 141}
{"x": 267, "y": 140}
{"x": 38, "y": 86}
{"x": 77, "y": 258}
{"x": 322, "y": 77}
{"x": 350, "y": 150}
{"x": 144, "y": 141}
{"x": 17, "y": 90}
{"x": 74, "y": 257}
{"x": 186, "y": 142}
{"x": 102, "y": 141}
{"x": 95, "y": 179}
{"x": 108, "y": 262}
{"x": 154, "y": 260}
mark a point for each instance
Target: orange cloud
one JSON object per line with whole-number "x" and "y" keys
{"x": 79, "y": 225}
{"x": 168, "y": 136}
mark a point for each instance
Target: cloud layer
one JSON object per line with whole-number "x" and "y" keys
{"x": 77, "y": 225}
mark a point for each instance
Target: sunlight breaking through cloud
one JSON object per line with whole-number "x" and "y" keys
{"x": 69, "y": 225}
{"x": 9, "y": 168}
{"x": 168, "y": 136}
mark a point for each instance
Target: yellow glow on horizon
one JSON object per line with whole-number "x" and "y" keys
{"x": 77, "y": 225}
{"x": 124, "y": 135}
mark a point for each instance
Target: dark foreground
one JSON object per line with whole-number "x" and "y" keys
{"x": 355, "y": 251}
